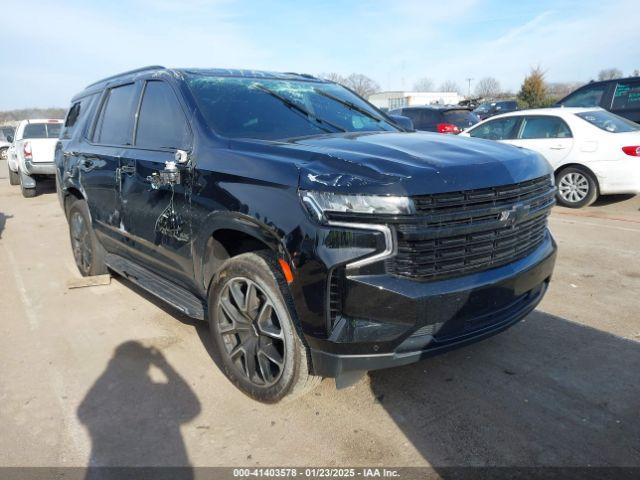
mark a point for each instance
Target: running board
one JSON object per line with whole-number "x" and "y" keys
{"x": 176, "y": 296}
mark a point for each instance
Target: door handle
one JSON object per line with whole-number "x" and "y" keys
{"x": 557, "y": 147}
{"x": 69, "y": 153}
{"x": 128, "y": 169}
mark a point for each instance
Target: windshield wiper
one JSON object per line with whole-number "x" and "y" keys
{"x": 350, "y": 105}
{"x": 294, "y": 106}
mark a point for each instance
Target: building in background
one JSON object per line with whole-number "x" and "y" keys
{"x": 392, "y": 100}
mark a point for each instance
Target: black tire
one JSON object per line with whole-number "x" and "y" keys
{"x": 88, "y": 253}
{"x": 28, "y": 192}
{"x": 577, "y": 187}
{"x": 14, "y": 178}
{"x": 262, "y": 349}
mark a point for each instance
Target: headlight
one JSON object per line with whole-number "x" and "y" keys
{"x": 318, "y": 203}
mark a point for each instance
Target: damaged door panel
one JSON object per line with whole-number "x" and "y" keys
{"x": 157, "y": 213}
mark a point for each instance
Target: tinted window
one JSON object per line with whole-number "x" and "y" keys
{"x": 499, "y": 129}
{"x": 41, "y": 130}
{"x": 250, "y": 107}
{"x": 609, "y": 121}
{"x": 586, "y": 97}
{"x": 161, "y": 122}
{"x": 506, "y": 106}
{"x": 461, "y": 118}
{"x": 5, "y": 132}
{"x": 115, "y": 121}
{"x": 627, "y": 96}
{"x": 76, "y": 115}
{"x": 544, "y": 127}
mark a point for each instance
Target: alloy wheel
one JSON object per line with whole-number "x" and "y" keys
{"x": 573, "y": 187}
{"x": 251, "y": 331}
{"x": 80, "y": 242}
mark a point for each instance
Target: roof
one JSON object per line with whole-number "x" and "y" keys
{"x": 559, "y": 111}
{"x": 217, "y": 72}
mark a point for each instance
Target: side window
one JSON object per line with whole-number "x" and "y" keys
{"x": 586, "y": 97}
{"x": 161, "y": 122}
{"x": 76, "y": 115}
{"x": 544, "y": 127}
{"x": 627, "y": 96}
{"x": 115, "y": 122}
{"x": 499, "y": 129}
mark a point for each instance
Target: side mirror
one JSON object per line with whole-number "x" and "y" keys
{"x": 403, "y": 122}
{"x": 10, "y": 138}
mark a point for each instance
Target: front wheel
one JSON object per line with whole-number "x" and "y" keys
{"x": 251, "y": 318}
{"x": 577, "y": 187}
{"x": 87, "y": 250}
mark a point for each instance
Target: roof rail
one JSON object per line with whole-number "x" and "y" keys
{"x": 129, "y": 72}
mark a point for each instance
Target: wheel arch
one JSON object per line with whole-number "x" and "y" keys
{"x": 580, "y": 166}
{"x": 227, "y": 235}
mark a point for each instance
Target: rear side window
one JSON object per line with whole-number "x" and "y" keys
{"x": 423, "y": 118}
{"x": 544, "y": 127}
{"x": 499, "y": 129}
{"x": 609, "y": 122}
{"x": 161, "y": 122}
{"x": 115, "y": 123}
{"x": 586, "y": 97}
{"x": 41, "y": 130}
{"x": 627, "y": 96}
{"x": 461, "y": 118}
{"x": 76, "y": 115}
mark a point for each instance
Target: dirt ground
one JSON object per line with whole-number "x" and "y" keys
{"x": 108, "y": 376}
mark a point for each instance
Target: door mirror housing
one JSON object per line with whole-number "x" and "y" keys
{"x": 10, "y": 138}
{"x": 404, "y": 122}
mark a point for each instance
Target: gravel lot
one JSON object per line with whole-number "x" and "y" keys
{"x": 106, "y": 375}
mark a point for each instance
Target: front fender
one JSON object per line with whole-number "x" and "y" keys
{"x": 246, "y": 224}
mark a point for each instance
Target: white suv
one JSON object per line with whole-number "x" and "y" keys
{"x": 31, "y": 153}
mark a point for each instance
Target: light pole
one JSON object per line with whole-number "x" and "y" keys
{"x": 469, "y": 90}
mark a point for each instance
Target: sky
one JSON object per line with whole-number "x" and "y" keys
{"x": 52, "y": 50}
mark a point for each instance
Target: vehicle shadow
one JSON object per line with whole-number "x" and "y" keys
{"x": 548, "y": 392}
{"x": 134, "y": 419}
{"x": 3, "y": 221}
{"x": 605, "y": 200}
{"x": 46, "y": 186}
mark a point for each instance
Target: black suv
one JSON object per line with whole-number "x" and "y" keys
{"x": 316, "y": 237}
{"x": 441, "y": 119}
{"x": 620, "y": 96}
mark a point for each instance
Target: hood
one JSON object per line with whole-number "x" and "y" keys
{"x": 412, "y": 163}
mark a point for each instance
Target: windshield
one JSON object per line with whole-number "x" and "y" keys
{"x": 461, "y": 118}
{"x": 482, "y": 108}
{"x": 42, "y": 130}
{"x": 271, "y": 109}
{"x": 609, "y": 122}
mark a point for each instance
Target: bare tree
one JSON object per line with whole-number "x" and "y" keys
{"x": 609, "y": 74}
{"x": 361, "y": 84}
{"x": 449, "y": 86}
{"x": 635, "y": 73}
{"x": 425, "y": 84}
{"x": 334, "y": 77}
{"x": 487, "y": 87}
{"x": 562, "y": 89}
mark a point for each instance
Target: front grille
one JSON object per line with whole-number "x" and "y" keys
{"x": 464, "y": 232}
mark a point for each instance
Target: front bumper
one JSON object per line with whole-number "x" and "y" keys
{"x": 390, "y": 321}
{"x": 40, "y": 168}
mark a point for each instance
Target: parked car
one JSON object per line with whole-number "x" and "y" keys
{"x": 620, "y": 96}
{"x": 489, "y": 109}
{"x": 441, "y": 119}
{"x": 30, "y": 156}
{"x": 6, "y": 137}
{"x": 593, "y": 152}
{"x": 316, "y": 237}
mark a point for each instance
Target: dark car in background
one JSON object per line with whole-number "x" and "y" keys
{"x": 620, "y": 96}
{"x": 316, "y": 237}
{"x": 441, "y": 119}
{"x": 489, "y": 109}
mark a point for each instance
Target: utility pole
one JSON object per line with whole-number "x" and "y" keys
{"x": 469, "y": 90}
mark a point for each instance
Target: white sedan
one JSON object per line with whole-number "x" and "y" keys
{"x": 592, "y": 151}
